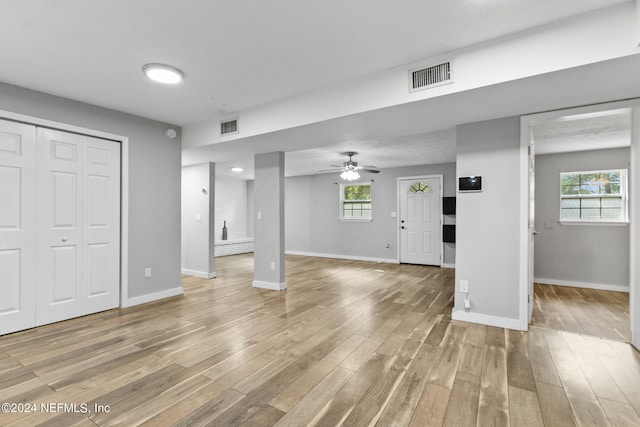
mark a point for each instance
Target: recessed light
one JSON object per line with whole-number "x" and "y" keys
{"x": 236, "y": 169}
{"x": 163, "y": 73}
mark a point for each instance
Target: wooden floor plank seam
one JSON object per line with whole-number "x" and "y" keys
{"x": 348, "y": 343}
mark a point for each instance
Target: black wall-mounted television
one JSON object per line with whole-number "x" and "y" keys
{"x": 449, "y": 233}
{"x": 470, "y": 183}
{"x": 449, "y": 205}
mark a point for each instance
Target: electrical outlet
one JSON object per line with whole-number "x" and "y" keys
{"x": 387, "y": 246}
{"x": 147, "y": 272}
{"x": 464, "y": 286}
{"x": 273, "y": 266}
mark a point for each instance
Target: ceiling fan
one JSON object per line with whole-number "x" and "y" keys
{"x": 350, "y": 168}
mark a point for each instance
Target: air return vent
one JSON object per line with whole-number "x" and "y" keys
{"x": 230, "y": 126}
{"x": 428, "y": 77}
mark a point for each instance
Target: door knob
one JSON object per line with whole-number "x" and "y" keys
{"x": 64, "y": 239}
{"x": 402, "y": 227}
{"x": 535, "y": 233}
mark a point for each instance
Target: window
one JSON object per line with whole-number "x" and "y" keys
{"x": 355, "y": 201}
{"x": 593, "y": 196}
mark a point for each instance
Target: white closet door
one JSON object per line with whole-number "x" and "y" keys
{"x": 78, "y": 225}
{"x": 17, "y": 226}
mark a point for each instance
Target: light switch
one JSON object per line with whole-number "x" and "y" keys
{"x": 259, "y": 216}
{"x": 198, "y": 217}
{"x": 394, "y": 214}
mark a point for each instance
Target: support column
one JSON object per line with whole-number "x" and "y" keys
{"x": 268, "y": 230}
{"x": 198, "y": 211}
{"x": 634, "y": 228}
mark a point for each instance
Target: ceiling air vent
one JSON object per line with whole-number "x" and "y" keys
{"x": 428, "y": 77}
{"x": 228, "y": 127}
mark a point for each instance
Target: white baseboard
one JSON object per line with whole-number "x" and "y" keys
{"x": 449, "y": 266}
{"x": 269, "y": 285}
{"x": 600, "y": 286}
{"x": 349, "y": 257}
{"x": 142, "y": 299}
{"x": 201, "y": 274}
{"x": 485, "y": 319}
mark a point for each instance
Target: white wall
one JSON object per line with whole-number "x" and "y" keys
{"x": 154, "y": 182}
{"x": 488, "y": 223}
{"x": 582, "y": 255}
{"x": 231, "y": 206}
{"x": 312, "y": 208}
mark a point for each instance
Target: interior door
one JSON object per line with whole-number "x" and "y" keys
{"x": 17, "y": 226}
{"x": 421, "y": 221}
{"x": 532, "y": 217}
{"x": 78, "y": 225}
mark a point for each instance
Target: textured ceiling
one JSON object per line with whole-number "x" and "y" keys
{"x": 239, "y": 54}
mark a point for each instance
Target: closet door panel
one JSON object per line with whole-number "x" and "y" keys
{"x": 60, "y": 189}
{"x": 17, "y": 226}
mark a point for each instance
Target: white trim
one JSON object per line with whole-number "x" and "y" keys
{"x": 600, "y": 286}
{"x": 143, "y": 299}
{"x": 596, "y": 223}
{"x": 445, "y": 265}
{"x": 200, "y": 274}
{"x": 485, "y": 319}
{"x": 525, "y": 141}
{"x": 124, "y": 184}
{"x": 349, "y": 257}
{"x": 269, "y": 285}
{"x": 234, "y": 241}
{"x": 440, "y": 176}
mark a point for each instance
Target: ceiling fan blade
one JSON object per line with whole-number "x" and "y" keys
{"x": 330, "y": 170}
{"x": 336, "y": 166}
{"x": 369, "y": 170}
{"x": 369, "y": 167}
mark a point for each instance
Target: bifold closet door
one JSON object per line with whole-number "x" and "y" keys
{"x": 17, "y": 226}
{"x": 78, "y": 225}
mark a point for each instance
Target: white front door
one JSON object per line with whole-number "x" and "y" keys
{"x": 78, "y": 225}
{"x": 17, "y": 226}
{"x": 421, "y": 220}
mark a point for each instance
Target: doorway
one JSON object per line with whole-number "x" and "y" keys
{"x": 420, "y": 220}
{"x": 580, "y": 229}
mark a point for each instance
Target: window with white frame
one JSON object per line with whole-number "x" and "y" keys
{"x": 355, "y": 201}
{"x": 593, "y": 196}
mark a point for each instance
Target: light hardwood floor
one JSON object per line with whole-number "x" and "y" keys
{"x": 349, "y": 343}
{"x": 594, "y": 312}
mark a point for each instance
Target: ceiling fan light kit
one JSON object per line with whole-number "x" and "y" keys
{"x": 350, "y": 175}
{"x": 350, "y": 169}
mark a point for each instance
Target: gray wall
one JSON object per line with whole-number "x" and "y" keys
{"x": 585, "y": 254}
{"x": 154, "y": 181}
{"x": 198, "y": 216}
{"x": 268, "y": 223}
{"x": 488, "y": 223}
{"x": 312, "y": 209}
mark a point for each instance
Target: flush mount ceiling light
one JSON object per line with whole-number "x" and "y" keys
{"x": 163, "y": 73}
{"x": 236, "y": 169}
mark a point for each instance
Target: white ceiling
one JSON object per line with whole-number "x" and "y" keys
{"x": 240, "y": 54}
{"x": 582, "y": 132}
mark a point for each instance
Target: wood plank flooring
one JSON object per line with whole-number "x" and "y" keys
{"x": 594, "y": 312}
{"x": 349, "y": 343}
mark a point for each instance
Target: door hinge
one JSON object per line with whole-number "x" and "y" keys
{"x": 529, "y": 298}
